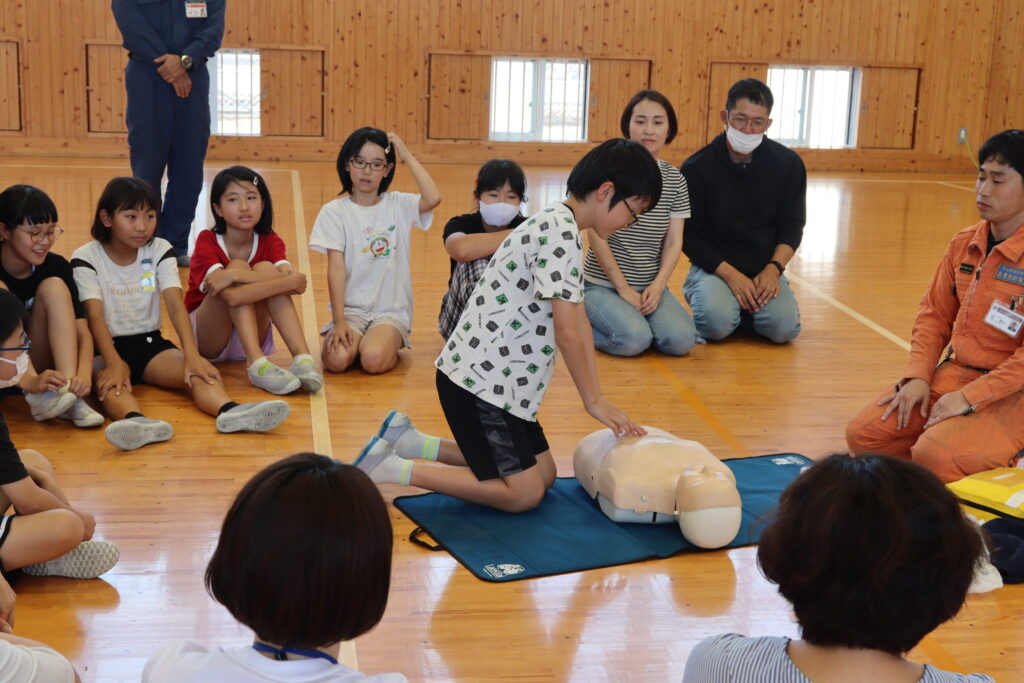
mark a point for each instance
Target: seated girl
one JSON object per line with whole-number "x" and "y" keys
{"x": 240, "y": 286}
{"x": 366, "y": 238}
{"x": 42, "y": 280}
{"x": 43, "y": 535}
{"x": 472, "y": 238}
{"x": 122, "y": 276}
{"x": 306, "y": 513}
{"x": 873, "y": 553}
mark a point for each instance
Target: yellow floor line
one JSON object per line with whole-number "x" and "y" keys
{"x": 867, "y": 322}
{"x": 318, "y": 401}
{"x": 690, "y": 397}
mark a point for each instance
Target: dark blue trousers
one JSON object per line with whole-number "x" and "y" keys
{"x": 169, "y": 132}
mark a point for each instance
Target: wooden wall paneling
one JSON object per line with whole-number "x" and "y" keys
{"x": 292, "y": 83}
{"x": 722, "y": 76}
{"x": 10, "y": 86}
{"x": 612, "y": 83}
{"x": 1005, "y": 106}
{"x": 104, "y": 73}
{"x": 459, "y": 85}
{"x": 888, "y": 108}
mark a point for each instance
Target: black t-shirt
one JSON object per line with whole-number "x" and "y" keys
{"x": 11, "y": 467}
{"x": 469, "y": 224}
{"x": 54, "y": 265}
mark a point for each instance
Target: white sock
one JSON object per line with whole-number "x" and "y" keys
{"x": 392, "y": 470}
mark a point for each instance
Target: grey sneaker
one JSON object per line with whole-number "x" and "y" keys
{"x": 49, "y": 404}
{"x": 82, "y": 415}
{"x": 272, "y": 378}
{"x": 87, "y": 560}
{"x": 253, "y": 417}
{"x": 305, "y": 370}
{"x": 135, "y": 432}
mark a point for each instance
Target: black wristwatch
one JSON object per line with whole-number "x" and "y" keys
{"x": 782, "y": 268}
{"x": 186, "y": 62}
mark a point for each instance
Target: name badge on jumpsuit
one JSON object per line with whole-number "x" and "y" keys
{"x": 148, "y": 276}
{"x": 195, "y": 10}
{"x": 1004, "y": 319}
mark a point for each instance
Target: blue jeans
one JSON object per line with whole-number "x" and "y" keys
{"x": 621, "y": 330}
{"x": 717, "y": 313}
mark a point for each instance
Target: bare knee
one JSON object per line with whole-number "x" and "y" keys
{"x": 33, "y": 458}
{"x": 65, "y": 530}
{"x": 53, "y": 290}
{"x": 522, "y": 499}
{"x": 334, "y": 361}
{"x": 376, "y": 361}
{"x": 238, "y": 264}
{"x": 264, "y": 267}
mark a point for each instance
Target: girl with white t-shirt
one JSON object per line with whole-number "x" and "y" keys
{"x": 366, "y": 239}
{"x": 240, "y": 287}
{"x": 122, "y": 277}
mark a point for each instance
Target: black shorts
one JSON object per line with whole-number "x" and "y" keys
{"x": 5, "y": 528}
{"x": 494, "y": 442}
{"x": 138, "y": 349}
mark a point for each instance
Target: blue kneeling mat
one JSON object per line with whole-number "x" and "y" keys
{"x": 568, "y": 532}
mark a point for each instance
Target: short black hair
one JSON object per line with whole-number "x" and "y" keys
{"x": 495, "y": 173}
{"x": 121, "y": 194}
{"x": 750, "y": 89}
{"x": 653, "y": 96}
{"x": 1005, "y": 148}
{"x": 625, "y": 163}
{"x": 873, "y": 552}
{"x": 26, "y": 204}
{"x": 241, "y": 174}
{"x": 304, "y": 556}
{"x": 12, "y": 314}
{"x": 351, "y": 148}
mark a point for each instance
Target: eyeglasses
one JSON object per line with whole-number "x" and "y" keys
{"x": 740, "y": 121}
{"x": 44, "y": 236}
{"x": 359, "y": 163}
{"x": 635, "y": 219}
{"x": 26, "y": 344}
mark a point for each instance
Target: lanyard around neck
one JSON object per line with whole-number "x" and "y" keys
{"x": 281, "y": 653}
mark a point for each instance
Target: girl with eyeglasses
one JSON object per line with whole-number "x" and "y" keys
{"x": 366, "y": 237}
{"x": 62, "y": 346}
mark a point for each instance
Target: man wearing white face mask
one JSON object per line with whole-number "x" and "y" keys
{"x": 748, "y": 204}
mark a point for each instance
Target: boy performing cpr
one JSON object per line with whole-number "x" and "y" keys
{"x": 494, "y": 369}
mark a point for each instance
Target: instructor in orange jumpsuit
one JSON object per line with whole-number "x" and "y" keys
{"x": 961, "y": 411}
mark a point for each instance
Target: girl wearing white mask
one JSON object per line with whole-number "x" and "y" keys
{"x": 628, "y": 301}
{"x": 471, "y": 239}
{"x": 55, "y": 539}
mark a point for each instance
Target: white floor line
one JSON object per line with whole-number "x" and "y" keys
{"x": 318, "y": 401}
{"x": 958, "y": 187}
{"x": 867, "y": 322}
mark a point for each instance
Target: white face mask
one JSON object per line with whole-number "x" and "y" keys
{"x": 21, "y": 366}
{"x": 742, "y": 143}
{"x": 499, "y": 215}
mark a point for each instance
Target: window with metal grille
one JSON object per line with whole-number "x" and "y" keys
{"x": 235, "y": 92}
{"x": 814, "y": 105}
{"x": 539, "y": 99}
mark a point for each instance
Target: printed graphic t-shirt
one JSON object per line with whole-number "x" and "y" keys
{"x": 503, "y": 347}
{"x": 130, "y": 294}
{"x": 375, "y": 241}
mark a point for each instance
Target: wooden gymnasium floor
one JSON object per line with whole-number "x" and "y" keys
{"x": 869, "y": 248}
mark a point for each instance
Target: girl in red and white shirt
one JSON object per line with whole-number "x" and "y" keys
{"x": 240, "y": 283}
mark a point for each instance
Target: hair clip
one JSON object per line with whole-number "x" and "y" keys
{"x": 387, "y": 150}
{"x": 256, "y": 180}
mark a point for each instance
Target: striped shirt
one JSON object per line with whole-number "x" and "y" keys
{"x": 637, "y": 250}
{"x": 730, "y": 657}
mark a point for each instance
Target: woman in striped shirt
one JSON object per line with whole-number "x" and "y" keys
{"x": 627, "y": 301}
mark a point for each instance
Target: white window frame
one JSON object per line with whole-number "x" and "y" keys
{"x": 809, "y": 81}
{"x": 539, "y": 99}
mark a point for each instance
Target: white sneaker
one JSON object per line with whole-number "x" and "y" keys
{"x": 253, "y": 417}
{"x": 87, "y": 560}
{"x": 49, "y": 404}
{"x": 82, "y": 415}
{"x": 272, "y": 378}
{"x": 305, "y": 370}
{"x": 135, "y": 432}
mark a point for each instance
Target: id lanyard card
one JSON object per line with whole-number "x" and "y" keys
{"x": 1004, "y": 319}
{"x": 195, "y": 10}
{"x": 148, "y": 276}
